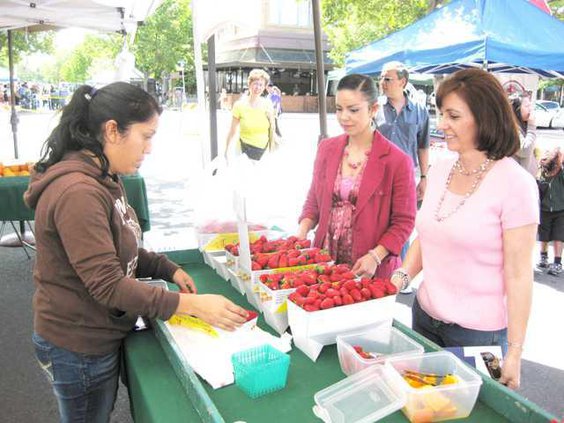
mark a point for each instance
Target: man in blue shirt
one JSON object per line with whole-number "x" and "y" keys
{"x": 404, "y": 122}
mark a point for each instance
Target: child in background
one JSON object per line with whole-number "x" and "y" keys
{"x": 551, "y": 228}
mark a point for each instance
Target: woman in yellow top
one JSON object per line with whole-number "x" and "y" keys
{"x": 254, "y": 114}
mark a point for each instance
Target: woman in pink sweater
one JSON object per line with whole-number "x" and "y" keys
{"x": 476, "y": 227}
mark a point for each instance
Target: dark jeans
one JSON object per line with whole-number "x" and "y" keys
{"x": 252, "y": 152}
{"x": 85, "y": 385}
{"x": 453, "y": 335}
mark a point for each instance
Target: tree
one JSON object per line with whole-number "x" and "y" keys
{"x": 25, "y": 43}
{"x": 164, "y": 39}
{"x": 350, "y": 24}
{"x": 78, "y": 66}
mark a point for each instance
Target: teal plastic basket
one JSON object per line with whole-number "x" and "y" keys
{"x": 260, "y": 370}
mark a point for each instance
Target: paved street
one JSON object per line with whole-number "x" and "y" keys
{"x": 175, "y": 176}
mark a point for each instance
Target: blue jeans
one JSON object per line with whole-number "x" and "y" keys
{"x": 453, "y": 335}
{"x": 85, "y": 385}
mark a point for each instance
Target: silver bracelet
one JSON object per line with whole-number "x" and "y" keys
{"x": 403, "y": 275}
{"x": 377, "y": 259}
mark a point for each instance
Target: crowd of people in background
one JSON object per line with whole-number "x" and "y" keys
{"x": 36, "y": 95}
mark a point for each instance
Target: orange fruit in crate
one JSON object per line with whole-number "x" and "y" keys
{"x": 23, "y": 173}
{"x": 24, "y": 168}
{"x": 9, "y": 172}
{"x": 1, "y": 169}
{"x": 14, "y": 168}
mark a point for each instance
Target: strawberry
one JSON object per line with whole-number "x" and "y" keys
{"x": 293, "y": 253}
{"x": 309, "y": 300}
{"x": 341, "y": 268}
{"x": 273, "y": 261}
{"x": 350, "y": 285}
{"x": 283, "y": 261}
{"x": 255, "y": 266}
{"x": 324, "y": 279}
{"x": 302, "y": 290}
{"x": 332, "y": 292}
{"x": 327, "y": 303}
{"x": 376, "y": 291}
{"x": 335, "y": 277}
{"x": 347, "y": 275}
{"x": 356, "y": 295}
{"x": 338, "y": 300}
{"x": 322, "y": 258}
{"x": 310, "y": 307}
{"x": 262, "y": 260}
{"x": 293, "y": 262}
{"x": 366, "y": 294}
{"x": 324, "y": 287}
{"x": 347, "y": 299}
{"x": 300, "y": 301}
{"x": 317, "y": 303}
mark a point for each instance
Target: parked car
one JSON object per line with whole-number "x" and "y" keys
{"x": 549, "y": 114}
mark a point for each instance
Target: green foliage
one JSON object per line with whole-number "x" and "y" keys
{"x": 557, "y": 7}
{"x": 350, "y": 24}
{"x": 25, "y": 43}
{"x": 166, "y": 38}
{"x": 77, "y": 66}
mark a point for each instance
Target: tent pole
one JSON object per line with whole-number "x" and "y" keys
{"x": 14, "y": 116}
{"x": 212, "y": 83}
{"x": 320, "y": 69}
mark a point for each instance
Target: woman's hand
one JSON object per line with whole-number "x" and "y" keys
{"x": 184, "y": 282}
{"x": 213, "y": 309}
{"x": 365, "y": 267}
{"x": 511, "y": 370}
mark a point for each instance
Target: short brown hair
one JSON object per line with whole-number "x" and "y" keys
{"x": 497, "y": 127}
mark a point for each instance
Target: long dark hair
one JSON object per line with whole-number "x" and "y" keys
{"x": 516, "y": 104}
{"x": 82, "y": 120}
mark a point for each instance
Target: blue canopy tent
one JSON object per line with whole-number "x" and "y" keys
{"x": 508, "y": 36}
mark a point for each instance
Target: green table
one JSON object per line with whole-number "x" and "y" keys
{"x": 12, "y": 207}
{"x": 158, "y": 394}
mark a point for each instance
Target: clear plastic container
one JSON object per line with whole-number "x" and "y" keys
{"x": 364, "y": 397}
{"x": 381, "y": 342}
{"x": 444, "y": 402}
{"x": 260, "y": 370}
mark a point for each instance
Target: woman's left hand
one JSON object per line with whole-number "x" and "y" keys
{"x": 511, "y": 370}
{"x": 365, "y": 267}
{"x": 184, "y": 281}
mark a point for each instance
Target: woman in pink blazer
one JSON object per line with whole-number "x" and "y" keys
{"x": 362, "y": 196}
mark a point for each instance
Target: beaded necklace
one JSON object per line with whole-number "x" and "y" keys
{"x": 355, "y": 165}
{"x": 479, "y": 172}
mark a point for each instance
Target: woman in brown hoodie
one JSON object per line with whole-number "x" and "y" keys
{"x": 88, "y": 250}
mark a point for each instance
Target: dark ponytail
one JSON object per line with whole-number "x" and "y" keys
{"x": 82, "y": 120}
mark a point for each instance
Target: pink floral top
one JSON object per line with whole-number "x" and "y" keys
{"x": 339, "y": 239}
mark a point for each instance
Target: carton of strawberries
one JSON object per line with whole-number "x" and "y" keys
{"x": 327, "y": 295}
{"x": 263, "y": 245}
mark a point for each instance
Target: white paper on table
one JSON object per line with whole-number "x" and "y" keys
{"x": 210, "y": 357}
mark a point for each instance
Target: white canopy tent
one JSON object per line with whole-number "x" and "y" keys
{"x": 99, "y": 15}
